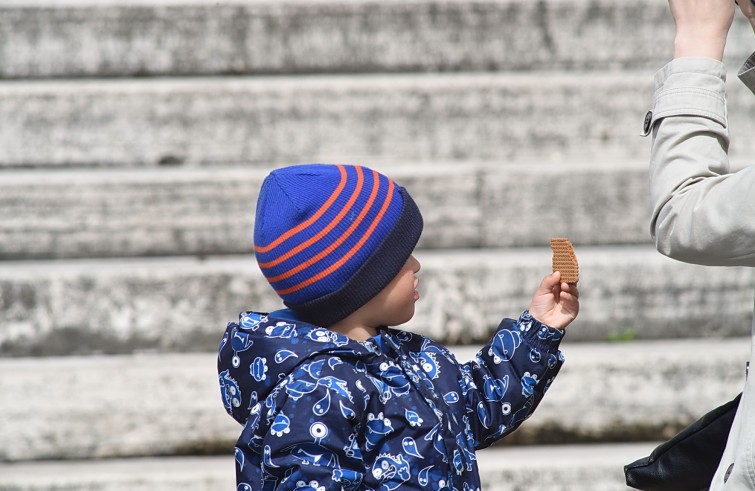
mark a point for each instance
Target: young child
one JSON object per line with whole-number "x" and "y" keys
{"x": 330, "y": 397}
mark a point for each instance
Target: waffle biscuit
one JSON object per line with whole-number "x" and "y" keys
{"x": 564, "y": 260}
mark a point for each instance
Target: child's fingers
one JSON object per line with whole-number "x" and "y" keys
{"x": 568, "y": 298}
{"x": 570, "y": 288}
{"x": 549, "y": 282}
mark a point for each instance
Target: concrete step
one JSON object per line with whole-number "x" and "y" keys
{"x": 183, "y": 304}
{"x": 270, "y": 120}
{"x": 569, "y": 468}
{"x": 122, "y": 213}
{"x": 169, "y": 404}
{"x": 75, "y": 38}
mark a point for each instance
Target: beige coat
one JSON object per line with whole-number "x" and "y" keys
{"x": 702, "y": 212}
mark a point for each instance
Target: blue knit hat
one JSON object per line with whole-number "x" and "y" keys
{"x": 328, "y": 238}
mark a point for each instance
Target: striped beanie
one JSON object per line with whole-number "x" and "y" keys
{"x": 329, "y": 238}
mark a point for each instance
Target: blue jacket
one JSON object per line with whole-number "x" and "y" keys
{"x": 321, "y": 411}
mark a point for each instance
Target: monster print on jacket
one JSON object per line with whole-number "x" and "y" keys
{"x": 394, "y": 413}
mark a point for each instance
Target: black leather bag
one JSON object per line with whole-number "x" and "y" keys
{"x": 688, "y": 461}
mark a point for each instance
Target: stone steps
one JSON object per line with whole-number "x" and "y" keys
{"x": 572, "y": 116}
{"x": 184, "y": 303}
{"x": 569, "y": 468}
{"x": 135, "y": 137}
{"x": 77, "y": 38}
{"x": 169, "y": 404}
{"x": 200, "y": 211}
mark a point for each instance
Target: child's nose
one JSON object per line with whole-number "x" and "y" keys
{"x": 415, "y": 265}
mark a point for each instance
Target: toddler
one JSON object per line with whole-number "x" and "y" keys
{"x": 330, "y": 395}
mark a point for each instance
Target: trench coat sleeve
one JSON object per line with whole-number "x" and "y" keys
{"x": 702, "y": 212}
{"x": 509, "y": 376}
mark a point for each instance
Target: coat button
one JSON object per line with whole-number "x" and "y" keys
{"x": 647, "y": 124}
{"x": 728, "y": 472}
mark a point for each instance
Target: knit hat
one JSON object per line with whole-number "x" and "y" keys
{"x": 328, "y": 238}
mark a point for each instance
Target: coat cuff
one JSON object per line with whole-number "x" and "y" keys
{"x": 689, "y": 87}
{"x": 539, "y": 335}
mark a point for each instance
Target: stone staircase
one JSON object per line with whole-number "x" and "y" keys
{"x": 133, "y": 139}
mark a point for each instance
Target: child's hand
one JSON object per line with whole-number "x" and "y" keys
{"x": 555, "y": 303}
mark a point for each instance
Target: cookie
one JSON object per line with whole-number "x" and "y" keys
{"x": 564, "y": 260}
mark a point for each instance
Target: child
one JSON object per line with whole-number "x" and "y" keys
{"x": 330, "y": 397}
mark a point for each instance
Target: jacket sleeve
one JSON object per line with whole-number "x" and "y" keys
{"x": 508, "y": 378}
{"x": 701, "y": 210}
{"x": 308, "y": 443}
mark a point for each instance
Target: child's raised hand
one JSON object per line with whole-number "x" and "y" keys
{"x": 555, "y": 303}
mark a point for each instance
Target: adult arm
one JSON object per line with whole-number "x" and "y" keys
{"x": 702, "y": 212}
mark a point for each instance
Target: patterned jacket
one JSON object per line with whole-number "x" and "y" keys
{"x": 322, "y": 412}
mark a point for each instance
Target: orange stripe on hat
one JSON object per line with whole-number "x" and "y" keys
{"x": 324, "y": 231}
{"x": 315, "y": 259}
{"x": 337, "y": 265}
{"x": 293, "y": 231}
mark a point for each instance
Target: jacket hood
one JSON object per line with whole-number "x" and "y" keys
{"x": 261, "y": 349}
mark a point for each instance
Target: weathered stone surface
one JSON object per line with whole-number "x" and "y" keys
{"x": 531, "y": 139}
{"x": 111, "y": 406}
{"x": 558, "y": 467}
{"x": 168, "y": 404}
{"x": 74, "y": 38}
{"x": 198, "y": 211}
{"x": 136, "y": 474}
{"x": 263, "y": 120}
{"x": 97, "y": 213}
{"x": 601, "y": 202}
{"x": 180, "y": 304}
{"x": 570, "y": 468}
{"x": 625, "y": 292}
{"x": 643, "y": 390}
{"x": 90, "y": 213}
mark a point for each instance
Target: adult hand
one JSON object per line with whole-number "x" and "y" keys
{"x": 555, "y": 303}
{"x": 748, "y": 9}
{"x": 702, "y": 26}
